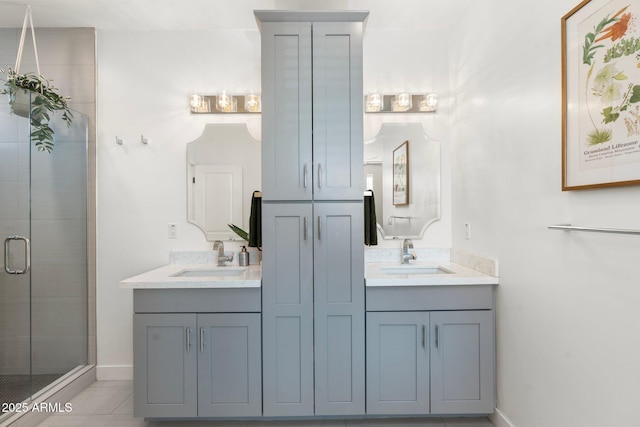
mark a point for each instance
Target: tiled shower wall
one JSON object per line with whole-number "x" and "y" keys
{"x": 61, "y": 318}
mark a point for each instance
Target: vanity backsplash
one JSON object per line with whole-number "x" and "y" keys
{"x": 476, "y": 262}
{"x": 210, "y": 256}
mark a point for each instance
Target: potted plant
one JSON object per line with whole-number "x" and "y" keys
{"x": 45, "y": 100}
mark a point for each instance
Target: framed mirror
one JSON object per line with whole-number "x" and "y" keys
{"x": 223, "y": 170}
{"x": 406, "y": 187}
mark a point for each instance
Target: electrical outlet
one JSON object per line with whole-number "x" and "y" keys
{"x": 173, "y": 230}
{"x": 467, "y": 230}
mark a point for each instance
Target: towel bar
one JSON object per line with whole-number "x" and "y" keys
{"x": 569, "y": 227}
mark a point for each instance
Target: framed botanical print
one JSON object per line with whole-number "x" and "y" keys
{"x": 601, "y": 95}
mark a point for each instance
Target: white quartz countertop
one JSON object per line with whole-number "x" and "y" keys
{"x": 378, "y": 274}
{"x": 199, "y": 276}
{"x": 468, "y": 269}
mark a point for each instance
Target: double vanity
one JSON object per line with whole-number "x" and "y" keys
{"x": 320, "y": 328}
{"x": 429, "y": 347}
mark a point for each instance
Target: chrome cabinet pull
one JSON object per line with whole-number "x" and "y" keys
{"x": 305, "y": 175}
{"x": 319, "y": 229}
{"x": 319, "y": 175}
{"x": 437, "y": 337}
{"x": 188, "y": 340}
{"x": 7, "y": 257}
{"x": 305, "y": 228}
{"x": 201, "y": 340}
{"x": 424, "y": 336}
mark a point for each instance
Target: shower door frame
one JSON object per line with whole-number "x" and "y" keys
{"x": 77, "y": 378}
{"x": 77, "y": 79}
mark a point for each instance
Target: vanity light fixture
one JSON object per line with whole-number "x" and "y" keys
{"x": 224, "y": 103}
{"x": 403, "y": 102}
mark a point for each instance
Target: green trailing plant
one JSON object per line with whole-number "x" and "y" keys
{"x": 45, "y": 100}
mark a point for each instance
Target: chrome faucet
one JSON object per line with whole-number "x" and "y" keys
{"x": 406, "y": 256}
{"x": 222, "y": 258}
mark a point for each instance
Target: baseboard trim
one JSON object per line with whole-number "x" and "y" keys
{"x": 499, "y": 419}
{"x": 114, "y": 372}
{"x": 61, "y": 393}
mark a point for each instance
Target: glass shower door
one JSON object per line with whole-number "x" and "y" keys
{"x": 43, "y": 276}
{"x": 15, "y": 274}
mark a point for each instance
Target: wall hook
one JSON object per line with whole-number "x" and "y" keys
{"x": 119, "y": 141}
{"x": 143, "y": 139}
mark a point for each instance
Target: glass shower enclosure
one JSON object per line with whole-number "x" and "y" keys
{"x": 43, "y": 267}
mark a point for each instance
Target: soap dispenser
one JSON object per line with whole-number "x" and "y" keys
{"x": 243, "y": 259}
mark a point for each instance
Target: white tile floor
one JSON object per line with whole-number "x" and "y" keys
{"x": 110, "y": 404}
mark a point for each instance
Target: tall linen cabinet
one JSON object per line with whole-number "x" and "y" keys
{"x": 312, "y": 214}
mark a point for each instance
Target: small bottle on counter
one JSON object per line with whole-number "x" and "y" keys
{"x": 243, "y": 258}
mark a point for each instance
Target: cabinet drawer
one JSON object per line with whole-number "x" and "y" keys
{"x": 221, "y": 300}
{"x": 408, "y": 298}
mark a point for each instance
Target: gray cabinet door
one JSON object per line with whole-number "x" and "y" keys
{"x": 462, "y": 362}
{"x": 164, "y": 366}
{"x": 286, "y": 111}
{"x": 337, "y": 111}
{"x": 397, "y": 363}
{"x": 229, "y": 365}
{"x": 287, "y": 309}
{"x": 339, "y": 308}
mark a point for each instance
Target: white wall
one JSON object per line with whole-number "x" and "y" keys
{"x": 144, "y": 79}
{"x": 567, "y": 303}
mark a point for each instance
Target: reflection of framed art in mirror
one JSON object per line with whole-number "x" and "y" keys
{"x": 401, "y": 174}
{"x": 411, "y": 220}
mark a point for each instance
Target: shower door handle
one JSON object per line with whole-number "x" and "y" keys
{"x": 27, "y": 255}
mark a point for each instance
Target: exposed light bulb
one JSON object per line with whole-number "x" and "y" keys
{"x": 195, "y": 100}
{"x": 225, "y": 102}
{"x": 429, "y": 102}
{"x": 252, "y": 103}
{"x": 402, "y": 102}
{"x": 373, "y": 103}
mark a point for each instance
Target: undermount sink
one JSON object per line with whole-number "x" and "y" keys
{"x": 415, "y": 269}
{"x": 210, "y": 272}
